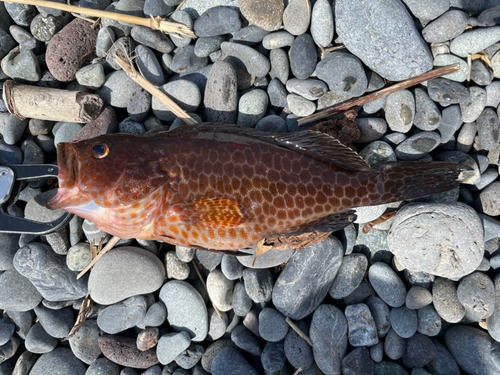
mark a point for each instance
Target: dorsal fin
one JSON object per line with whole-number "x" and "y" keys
{"x": 313, "y": 143}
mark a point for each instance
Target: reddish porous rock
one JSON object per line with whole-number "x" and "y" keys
{"x": 123, "y": 351}
{"x": 106, "y": 123}
{"x": 67, "y": 49}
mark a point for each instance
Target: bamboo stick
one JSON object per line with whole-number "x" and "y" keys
{"x": 339, "y": 108}
{"x": 153, "y": 90}
{"x": 154, "y": 23}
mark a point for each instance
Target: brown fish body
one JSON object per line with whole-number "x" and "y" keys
{"x": 225, "y": 188}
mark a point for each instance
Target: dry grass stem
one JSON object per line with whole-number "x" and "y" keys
{"x": 84, "y": 312}
{"x": 339, "y": 108}
{"x": 149, "y": 87}
{"x": 205, "y": 286}
{"x": 154, "y": 23}
{"x": 469, "y": 64}
{"x": 112, "y": 242}
{"x": 297, "y": 329}
{"x": 299, "y": 370}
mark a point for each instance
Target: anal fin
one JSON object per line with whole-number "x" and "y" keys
{"x": 330, "y": 223}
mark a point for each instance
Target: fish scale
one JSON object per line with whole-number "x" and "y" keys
{"x": 222, "y": 187}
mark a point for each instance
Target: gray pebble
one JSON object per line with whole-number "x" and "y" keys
{"x": 476, "y": 293}
{"x": 394, "y": 345}
{"x": 251, "y": 321}
{"x": 377, "y": 152}
{"x": 182, "y": 17}
{"x": 57, "y": 323}
{"x": 418, "y": 297}
{"x": 185, "y": 93}
{"x": 272, "y": 123}
{"x": 361, "y": 325}
{"x": 190, "y": 357}
{"x": 480, "y": 74}
{"x": 148, "y": 65}
{"x": 93, "y": 234}
{"x": 277, "y": 94}
{"x": 38, "y": 341}
{"x": 105, "y": 39}
{"x": 343, "y": 73}
{"x": 139, "y": 105}
{"x": 297, "y": 351}
{"x": 444, "y": 362}
{"x": 349, "y": 276}
{"x": 60, "y": 360}
{"x": 17, "y": 293}
{"x": 246, "y": 341}
{"x": 13, "y": 130}
{"x": 322, "y": 23}
{"x": 252, "y": 107}
{"x": 371, "y": 129}
{"x": 48, "y": 273}
{"x": 427, "y": 114}
{"x": 466, "y": 137}
{"x": 6, "y": 43}
{"x": 278, "y": 39}
{"x": 380, "y": 313}
{"x": 208, "y": 259}
{"x": 217, "y": 326}
{"x": 387, "y": 284}
{"x": 290, "y": 296}
{"x": 220, "y": 98}
{"x": 450, "y": 25}
{"x": 22, "y": 14}
{"x": 176, "y": 269}
{"x": 186, "y": 309}
{"x": 155, "y": 316}
{"x": 230, "y": 361}
{"x": 404, "y": 321}
{"x": 303, "y": 56}
{"x": 171, "y": 345}
{"x": 44, "y": 27}
{"x": 258, "y": 284}
{"x": 79, "y": 256}
{"x": 7, "y": 329}
{"x": 445, "y": 300}
{"x": 103, "y": 366}
{"x": 310, "y": 89}
{"x": 249, "y": 35}
{"x": 280, "y": 66}
{"x": 84, "y": 342}
{"x": 300, "y": 106}
{"x": 448, "y": 59}
{"x": 447, "y": 92}
{"x": 272, "y": 325}
{"x": 186, "y": 62}
{"x": 91, "y": 76}
{"x": 451, "y": 119}
{"x": 242, "y": 303}
{"x": 157, "y": 8}
{"x": 122, "y": 316}
{"x": 297, "y": 16}
{"x": 456, "y": 221}
{"x": 416, "y": 146}
{"x": 152, "y": 38}
{"x": 185, "y": 254}
{"x": 254, "y": 62}
{"x": 220, "y": 290}
{"x": 328, "y": 334}
{"x": 429, "y": 321}
{"x": 475, "y": 41}
{"x": 487, "y": 178}
{"x": 205, "y": 46}
{"x": 488, "y": 126}
{"x": 125, "y": 270}
{"x": 400, "y": 111}
{"x": 474, "y": 106}
{"x": 218, "y": 20}
{"x": 21, "y": 65}
{"x": 117, "y": 89}
{"x": 273, "y": 357}
{"x": 231, "y": 268}
{"x": 377, "y": 352}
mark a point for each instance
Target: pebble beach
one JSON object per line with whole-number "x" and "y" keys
{"x": 417, "y": 294}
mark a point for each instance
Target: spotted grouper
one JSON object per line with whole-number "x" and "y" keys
{"x": 225, "y": 187}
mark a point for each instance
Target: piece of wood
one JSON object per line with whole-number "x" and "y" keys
{"x": 154, "y": 23}
{"x": 153, "y": 90}
{"x": 339, "y": 108}
{"x": 112, "y": 242}
{"x": 26, "y": 101}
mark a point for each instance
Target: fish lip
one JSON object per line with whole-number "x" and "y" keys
{"x": 68, "y": 172}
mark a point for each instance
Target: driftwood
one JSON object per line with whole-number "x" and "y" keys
{"x": 25, "y": 101}
{"x": 342, "y": 107}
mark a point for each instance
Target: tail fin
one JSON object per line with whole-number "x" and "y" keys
{"x": 412, "y": 179}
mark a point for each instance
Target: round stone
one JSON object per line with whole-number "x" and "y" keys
{"x": 416, "y": 146}
{"x": 429, "y": 321}
{"x": 184, "y": 93}
{"x": 298, "y": 352}
{"x": 218, "y": 20}
{"x": 252, "y": 107}
{"x": 125, "y": 270}
{"x": 371, "y": 129}
{"x": 277, "y": 40}
{"x": 457, "y": 234}
{"x": 303, "y": 56}
{"x": 445, "y": 300}
{"x": 84, "y": 343}
{"x": 418, "y": 297}
{"x": 488, "y": 129}
{"x": 122, "y": 316}
{"x": 186, "y": 309}
{"x": 322, "y": 23}
{"x": 60, "y": 360}
{"x": 474, "y": 41}
{"x": 448, "y": 59}
{"x": 447, "y": 92}
{"x": 476, "y": 294}
{"x": 300, "y": 106}
{"x": 254, "y": 62}
{"x": 272, "y": 325}
{"x": 220, "y": 290}
{"x": 380, "y": 313}
{"x": 447, "y": 27}
{"x": 400, "y": 111}
{"x": 472, "y": 108}
{"x": 220, "y": 98}
{"x": 404, "y": 321}
{"x": 171, "y": 345}
{"x": 387, "y": 284}
{"x": 427, "y": 114}
{"x": 296, "y": 16}
{"x": 349, "y": 276}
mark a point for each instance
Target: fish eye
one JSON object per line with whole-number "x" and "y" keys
{"x": 100, "y": 150}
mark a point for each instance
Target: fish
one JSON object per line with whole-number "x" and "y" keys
{"x": 224, "y": 187}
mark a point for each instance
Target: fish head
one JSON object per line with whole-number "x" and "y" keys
{"x": 108, "y": 180}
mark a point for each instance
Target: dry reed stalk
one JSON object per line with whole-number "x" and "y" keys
{"x": 158, "y": 94}
{"x": 154, "y": 23}
{"x": 339, "y": 108}
{"x": 85, "y": 309}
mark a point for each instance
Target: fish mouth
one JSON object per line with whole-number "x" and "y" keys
{"x": 67, "y": 177}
